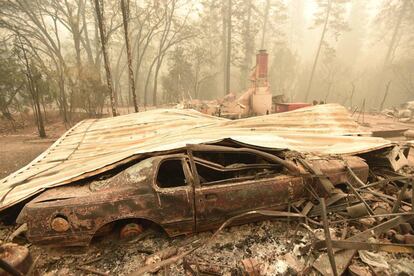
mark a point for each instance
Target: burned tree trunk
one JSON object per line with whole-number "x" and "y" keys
{"x": 102, "y": 34}
{"x": 125, "y": 18}
{"x": 228, "y": 51}
{"x": 387, "y": 88}
{"x": 63, "y": 104}
{"x": 34, "y": 91}
{"x": 248, "y": 47}
{"x": 155, "y": 86}
{"x": 223, "y": 45}
{"x": 315, "y": 62}
{"x": 352, "y": 94}
{"x": 41, "y": 125}
{"x": 393, "y": 41}
{"x": 265, "y": 19}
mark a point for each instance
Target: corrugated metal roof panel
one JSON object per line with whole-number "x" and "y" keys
{"x": 93, "y": 146}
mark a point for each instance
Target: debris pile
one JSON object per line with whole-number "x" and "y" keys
{"x": 404, "y": 113}
{"x": 362, "y": 228}
{"x": 354, "y": 214}
{"x": 359, "y": 228}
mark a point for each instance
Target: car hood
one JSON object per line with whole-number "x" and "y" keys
{"x": 136, "y": 176}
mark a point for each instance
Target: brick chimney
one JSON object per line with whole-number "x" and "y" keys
{"x": 261, "y": 64}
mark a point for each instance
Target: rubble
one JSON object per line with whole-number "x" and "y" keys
{"x": 267, "y": 242}
{"x": 404, "y": 113}
{"x": 14, "y": 259}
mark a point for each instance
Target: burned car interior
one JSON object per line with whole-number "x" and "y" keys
{"x": 224, "y": 167}
{"x": 216, "y": 167}
{"x": 171, "y": 173}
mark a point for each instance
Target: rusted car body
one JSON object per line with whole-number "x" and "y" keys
{"x": 188, "y": 192}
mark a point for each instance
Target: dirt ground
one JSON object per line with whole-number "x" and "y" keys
{"x": 18, "y": 148}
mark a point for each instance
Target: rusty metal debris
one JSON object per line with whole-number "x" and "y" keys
{"x": 328, "y": 238}
{"x": 343, "y": 201}
{"x": 343, "y": 258}
{"x": 342, "y": 251}
{"x": 14, "y": 259}
{"x": 6, "y": 268}
{"x": 241, "y": 171}
{"x": 21, "y": 229}
{"x": 360, "y": 245}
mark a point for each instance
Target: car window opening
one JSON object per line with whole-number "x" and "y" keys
{"x": 210, "y": 176}
{"x": 227, "y": 159}
{"x": 171, "y": 174}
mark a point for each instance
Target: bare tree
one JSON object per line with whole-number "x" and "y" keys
{"x": 147, "y": 23}
{"x": 228, "y": 50}
{"x": 173, "y": 31}
{"x": 125, "y": 18}
{"x": 101, "y": 27}
{"x": 395, "y": 20}
{"x": 266, "y": 18}
{"x": 393, "y": 41}
{"x": 331, "y": 14}
{"x": 387, "y": 88}
{"x": 26, "y": 19}
{"x": 34, "y": 90}
{"x": 224, "y": 44}
{"x": 315, "y": 61}
{"x": 248, "y": 39}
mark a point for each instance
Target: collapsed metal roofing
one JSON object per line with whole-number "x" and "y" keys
{"x": 96, "y": 145}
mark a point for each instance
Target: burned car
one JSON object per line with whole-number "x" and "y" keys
{"x": 185, "y": 192}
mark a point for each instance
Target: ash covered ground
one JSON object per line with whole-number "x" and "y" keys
{"x": 273, "y": 246}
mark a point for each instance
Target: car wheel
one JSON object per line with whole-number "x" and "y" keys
{"x": 130, "y": 230}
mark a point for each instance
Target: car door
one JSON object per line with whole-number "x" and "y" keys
{"x": 225, "y": 191}
{"x": 174, "y": 190}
